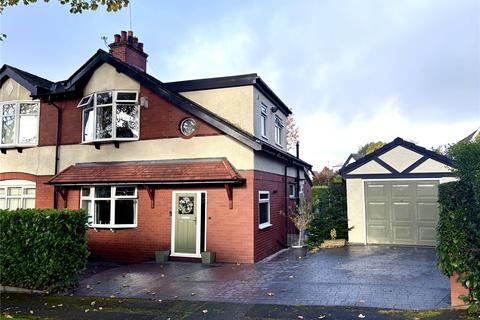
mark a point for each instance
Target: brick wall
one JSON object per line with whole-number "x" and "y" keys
{"x": 271, "y": 239}
{"x": 229, "y": 231}
{"x": 456, "y": 289}
{"x": 43, "y": 192}
{"x": 159, "y": 121}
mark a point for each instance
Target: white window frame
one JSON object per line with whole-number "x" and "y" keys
{"x": 113, "y": 197}
{"x": 91, "y": 103}
{"x": 291, "y": 188}
{"x": 264, "y": 224}
{"x": 24, "y": 184}
{"x": 264, "y": 122}
{"x": 278, "y": 131}
{"x": 16, "y": 132}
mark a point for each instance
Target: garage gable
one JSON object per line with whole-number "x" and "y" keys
{"x": 399, "y": 159}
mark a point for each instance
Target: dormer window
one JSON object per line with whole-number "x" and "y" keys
{"x": 278, "y": 131}
{"x": 19, "y": 123}
{"x": 110, "y": 115}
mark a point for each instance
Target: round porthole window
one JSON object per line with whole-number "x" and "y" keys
{"x": 188, "y": 126}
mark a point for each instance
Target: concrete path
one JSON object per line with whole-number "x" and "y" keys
{"x": 372, "y": 276}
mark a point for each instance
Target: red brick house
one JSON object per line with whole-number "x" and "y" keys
{"x": 189, "y": 166}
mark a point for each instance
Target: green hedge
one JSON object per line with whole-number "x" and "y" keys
{"x": 458, "y": 230}
{"x": 42, "y": 248}
{"x": 330, "y": 209}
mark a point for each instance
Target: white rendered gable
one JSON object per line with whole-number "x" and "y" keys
{"x": 400, "y": 158}
{"x": 431, "y": 165}
{"x": 370, "y": 167}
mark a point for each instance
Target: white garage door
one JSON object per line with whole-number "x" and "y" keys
{"x": 401, "y": 212}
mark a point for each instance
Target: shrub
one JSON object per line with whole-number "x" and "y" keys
{"x": 458, "y": 230}
{"x": 330, "y": 207}
{"x": 42, "y": 248}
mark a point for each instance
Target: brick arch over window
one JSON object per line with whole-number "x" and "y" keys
{"x": 18, "y": 176}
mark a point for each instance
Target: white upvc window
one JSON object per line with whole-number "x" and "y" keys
{"x": 263, "y": 121}
{"x": 291, "y": 191}
{"x": 110, "y": 115}
{"x": 110, "y": 206}
{"x": 19, "y": 123}
{"x": 278, "y": 131}
{"x": 264, "y": 209}
{"x": 17, "y": 194}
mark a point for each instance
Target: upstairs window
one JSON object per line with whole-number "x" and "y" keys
{"x": 278, "y": 130}
{"x": 110, "y": 115}
{"x": 263, "y": 121}
{"x": 19, "y": 123}
{"x": 110, "y": 206}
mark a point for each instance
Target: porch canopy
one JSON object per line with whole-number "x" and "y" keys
{"x": 184, "y": 171}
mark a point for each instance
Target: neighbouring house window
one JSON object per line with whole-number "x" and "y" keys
{"x": 302, "y": 187}
{"x": 110, "y": 206}
{"x": 278, "y": 130}
{"x": 17, "y": 194}
{"x": 263, "y": 209}
{"x": 19, "y": 123}
{"x": 291, "y": 191}
{"x": 110, "y": 115}
{"x": 263, "y": 121}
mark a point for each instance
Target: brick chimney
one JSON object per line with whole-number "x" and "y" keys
{"x": 127, "y": 48}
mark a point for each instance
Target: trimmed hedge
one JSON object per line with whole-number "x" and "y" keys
{"x": 458, "y": 231}
{"x": 330, "y": 211}
{"x": 42, "y": 248}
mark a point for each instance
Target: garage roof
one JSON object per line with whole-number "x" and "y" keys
{"x": 399, "y": 159}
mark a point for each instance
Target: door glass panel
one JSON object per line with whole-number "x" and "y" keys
{"x": 186, "y": 205}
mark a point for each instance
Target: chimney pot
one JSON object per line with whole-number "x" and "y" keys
{"x": 127, "y": 49}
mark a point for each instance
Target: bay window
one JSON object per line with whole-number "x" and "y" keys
{"x": 110, "y": 206}
{"x": 17, "y": 194}
{"x": 110, "y": 115}
{"x": 19, "y": 123}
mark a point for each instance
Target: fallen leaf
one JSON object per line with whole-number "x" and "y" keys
{"x": 361, "y": 316}
{"x": 300, "y": 317}
{"x": 153, "y": 293}
{"x": 8, "y": 316}
{"x": 159, "y": 300}
{"x": 192, "y": 294}
{"x": 86, "y": 310}
{"x": 125, "y": 285}
{"x": 92, "y": 303}
{"x": 100, "y": 308}
{"x": 112, "y": 296}
{"x": 60, "y": 305}
{"x": 270, "y": 294}
{"x": 361, "y": 301}
{"x": 31, "y": 311}
{"x": 162, "y": 275}
{"x": 291, "y": 277}
{"x": 321, "y": 316}
{"x": 205, "y": 311}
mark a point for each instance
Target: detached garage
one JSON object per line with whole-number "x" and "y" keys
{"x": 392, "y": 194}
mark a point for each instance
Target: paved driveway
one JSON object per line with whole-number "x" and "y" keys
{"x": 375, "y": 276}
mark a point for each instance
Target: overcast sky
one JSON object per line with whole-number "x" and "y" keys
{"x": 352, "y": 71}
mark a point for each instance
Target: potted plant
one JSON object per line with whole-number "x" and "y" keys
{"x": 333, "y": 242}
{"x": 302, "y": 217}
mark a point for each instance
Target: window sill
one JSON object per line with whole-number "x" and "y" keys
{"x": 110, "y": 227}
{"x": 278, "y": 145}
{"x": 264, "y": 225}
{"x": 264, "y": 137}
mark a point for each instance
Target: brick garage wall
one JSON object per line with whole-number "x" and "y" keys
{"x": 228, "y": 230}
{"x": 271, "y": 239}
{"x": 43, "y": 192}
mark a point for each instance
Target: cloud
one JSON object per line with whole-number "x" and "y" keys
{"x": 327, "y": 140}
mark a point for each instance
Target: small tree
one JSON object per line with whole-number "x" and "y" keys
{"x": 292, "y": 133}
{"x": 302, "y": 216}
{"x": 370, "y": 147}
